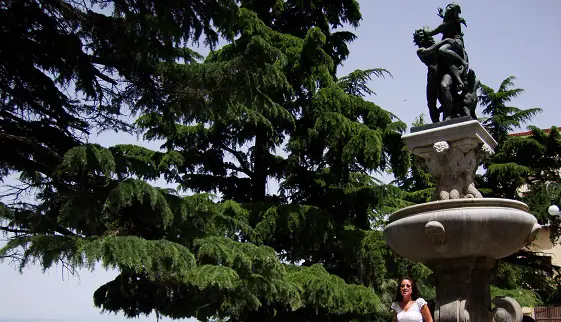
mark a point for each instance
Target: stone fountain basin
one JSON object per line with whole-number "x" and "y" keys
{"x": 459, "y": 228}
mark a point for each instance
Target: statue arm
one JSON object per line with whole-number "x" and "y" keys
{"x": 421, "y": 53}
{"x": 476, "y": 85}
{"x": 432, "y": 49}
{"x": 438, "y": 29}
{"x": 427, "y": 61}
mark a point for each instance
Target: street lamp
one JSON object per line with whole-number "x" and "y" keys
{"x": 552, "y": 189}
{"x": 553, "y": 210}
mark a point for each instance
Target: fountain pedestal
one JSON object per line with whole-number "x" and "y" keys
{"x": 463, "y": 292}
{"x": 460, "y": 235}
{"x": 452, "y": 154}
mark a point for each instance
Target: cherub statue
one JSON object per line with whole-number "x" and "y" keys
{"x": 467, "y": 102}
{"x": 452, "y": 45}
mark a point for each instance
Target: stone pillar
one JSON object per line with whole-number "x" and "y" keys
{"x": 463, "y": 289}
{"x": 452, "y": 154}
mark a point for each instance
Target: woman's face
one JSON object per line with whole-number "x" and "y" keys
{"x": 405, "y": 288}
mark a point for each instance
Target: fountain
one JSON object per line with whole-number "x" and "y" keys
{"x": 460, "y": 234}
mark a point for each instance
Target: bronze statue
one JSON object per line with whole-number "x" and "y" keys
{"x": 449, "y": 79}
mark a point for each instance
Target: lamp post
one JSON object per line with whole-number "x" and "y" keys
{"x": 552, "y": 189}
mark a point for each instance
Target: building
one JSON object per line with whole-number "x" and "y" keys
{"x": 543, "y": 244}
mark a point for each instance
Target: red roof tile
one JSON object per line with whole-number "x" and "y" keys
{"x": 528, "y": 133}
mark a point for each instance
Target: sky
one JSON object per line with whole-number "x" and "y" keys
{"x": 503, "y": 38}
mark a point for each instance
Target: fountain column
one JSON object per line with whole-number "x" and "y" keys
{"x": 463, "y": 289}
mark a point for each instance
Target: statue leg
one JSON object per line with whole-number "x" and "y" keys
{"x": 449, "y": 53}
{"x": 432, "y": 96}
{"x": 446, "y": 99}
{"x": 452, "y": 61}
{"x": 434, "y": 113}
{"x": 457, "y": 77}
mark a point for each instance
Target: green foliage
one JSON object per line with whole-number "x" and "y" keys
{"x": 524, "y": 297}
{"x": 418, "y": 185}
{"x": 90, "y": 158}
{"x": 356, "y": 82}
{"x": 554, "y": 296}
{"x": 295, "y": 230}
{"x": 387, "y": 294}
{"x": 530, "y": 160}
{"x": 153, "y": 259}
{"x": 331, "y": 292}
{"x": 244, "y": 258}
{"x": 297, "y": 17}
{"x": 500, "y": 118}
{"x": 5, "y": 212}
{"x": 130, "y": 191}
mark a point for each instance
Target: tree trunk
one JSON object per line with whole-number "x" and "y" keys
{"x": 259, "y": 180}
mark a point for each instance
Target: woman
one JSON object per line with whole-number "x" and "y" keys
{"x": 408, "y": 306}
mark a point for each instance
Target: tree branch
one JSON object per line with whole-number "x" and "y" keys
{"x": 15, "y": 231}
{"x": 240, "y": 157}
{"x": 65, "y": 232}
{"x": 234, "y": 167}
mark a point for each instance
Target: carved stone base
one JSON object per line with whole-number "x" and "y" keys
{"x": 451, "y": 154}
{"x": 463, "y": 292}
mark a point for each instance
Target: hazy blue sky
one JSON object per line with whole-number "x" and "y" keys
{"x": 503, "y": 38}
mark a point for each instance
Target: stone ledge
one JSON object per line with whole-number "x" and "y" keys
{"x": 440, "y": 124}
{"x": 457, "y": 204}
{"x": 450, "y": 132}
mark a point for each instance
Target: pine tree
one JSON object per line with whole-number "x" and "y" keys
{"x": 505, "y": 175}
{"x": 418, "y": 185}
{"x": 304, "y": 255}
{"x": 500, "y": 118}
{"x": 297, "y": 17}
{"x": 330, "y": 158}
{"x": 298, "y": 228}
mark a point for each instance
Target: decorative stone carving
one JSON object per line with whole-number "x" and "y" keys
{"x": 452, "y": 311}
{"x": 453, "y": 166}
{"x": 452, "y": 154}
{"x": 435, "y": 233}
{"x": 486, "y": 151}
{"x": 441, "y": 146}
{"x": 506, "y": 310}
